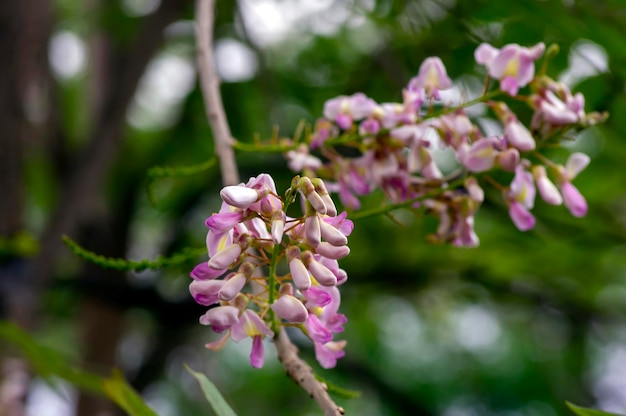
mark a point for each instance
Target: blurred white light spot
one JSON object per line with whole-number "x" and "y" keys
{"x": 44, "y": 400}
{"x": 609, "y": 376}
{"x": 265, "y": 20}
{"x": 586, "y": 59}
{"x": 400, "y": 327}
{"x": 490, "y": 127}
{"x": 138, "y": 8}
{"x": 477, "y": 328}
{"x": 160, "y": 396}
{"x": 67, "y": 54}
{"x": 163, "y": 87}
{"x": 451, "y": 96}
{"x": 272, "y": 21}
{"x": 235, "y": 61}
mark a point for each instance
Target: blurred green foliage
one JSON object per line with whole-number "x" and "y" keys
{"x": 514, "y": 327}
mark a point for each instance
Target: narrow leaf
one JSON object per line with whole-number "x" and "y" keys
{"x": 50, "y": 364}
{"x": 582, "y": 411}
{"x": 213, "y": 396}
{"x": 337, "y": 390}
{"x": 117, "y": 389}
{"x": 47, "y": 362}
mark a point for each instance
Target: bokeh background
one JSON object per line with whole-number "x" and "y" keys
{"x": 93, "y": 93}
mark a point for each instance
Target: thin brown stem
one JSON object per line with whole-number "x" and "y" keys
{"x": 210, "y": 85}
{"x": 302, "y": 374}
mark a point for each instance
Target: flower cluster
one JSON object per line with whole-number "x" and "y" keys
{"x": 396, "y": 142}
{"x": 247, "y": 240}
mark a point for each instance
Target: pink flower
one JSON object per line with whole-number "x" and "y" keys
{"x": 522, "y": 218}
{"x": 300, "y": 159}
{"x": 432, "y": 77}
{"x": 480, "y": 156}
{"x": 251, "y": 325}
{"x": 327, "y": 354}
{"x": 317, "y": 296}
{"x": 203, "y": 272}
{"x": 317, "y": 330}
{"x": 220, "y": 318}
{"x": 572, "y": 198}
{"x": 513, "y": 65}
{"x": 521, "y": 197}
{"x": 344, "y": 110}
{"x": 206, "y": 292}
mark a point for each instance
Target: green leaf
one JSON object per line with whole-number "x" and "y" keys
{"x": 161, "y": 262}
{"x": 159, "y": 172}
{"x": 213, "y": 396}
{"x": 581, "y": 411}
{"x": 117, "y": 389}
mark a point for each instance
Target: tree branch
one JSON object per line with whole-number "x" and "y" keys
{"x": 210, "y": 85}
{"x": 297, "y": 369}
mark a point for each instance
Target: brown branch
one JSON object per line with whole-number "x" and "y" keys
{"x": 297, "y": 369}
{"x": 302, "y": 374}
{"x": 210, "y": 85}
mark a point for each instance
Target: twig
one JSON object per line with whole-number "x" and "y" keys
{"x": 302, "y": 374}
{"x": 210, "y": 85}
{"x": 297, "y": 369}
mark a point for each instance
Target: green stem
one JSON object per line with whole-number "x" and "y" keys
{"x": 269, "y": 148}
{"x": 271, "y": 285}
{"x": 388, "y": 208}
{"x": 478, "y": 100}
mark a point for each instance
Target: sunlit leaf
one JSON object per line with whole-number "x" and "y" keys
{"x": 582, "y": 411}
{"x": 117, "y": 389}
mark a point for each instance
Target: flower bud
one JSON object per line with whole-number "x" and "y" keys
{"x": 290, "y": 309}
{"x": 278, "y": 226}
{"x": 224, "y": 258}
{"x": 240, "y": 196}
{"x": 233, "y": 286}
{"x": 573, "y": 199}
{"x": 332, "y": 252}
{"x": 205, "y": 292}
{"x": 508, "y": 159}
{"x": 518, "y": 136}
{"x": 203, "y": 272}
{"x": 474, "y": 190}
{"x": 220, "y": 318}
{"x": 332, "y": 234}
{"x": 321, "y": 273}
{"x": 312, "y": 230}
{"x": 547, "y": 189}
{"x": 522, "y": 218}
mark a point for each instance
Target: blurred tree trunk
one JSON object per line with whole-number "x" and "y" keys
{"x": 25, "y": 27}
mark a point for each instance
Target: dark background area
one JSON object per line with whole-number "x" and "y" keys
{"x": 94, "y": 93}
